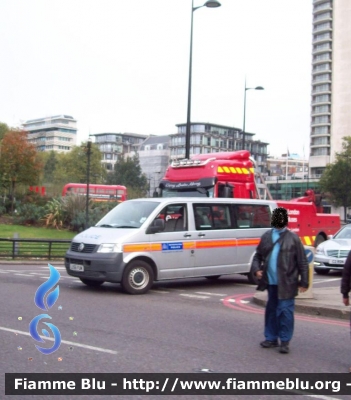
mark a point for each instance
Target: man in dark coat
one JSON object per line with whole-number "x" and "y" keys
{"x": 346, "y": 284}
{"x": 281, "y": 266}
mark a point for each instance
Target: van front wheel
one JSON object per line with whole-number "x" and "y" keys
{"x": 138, "y": 277}
{"x": 92, "y": 283}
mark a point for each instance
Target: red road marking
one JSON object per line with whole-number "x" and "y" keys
{"x": 248, "y": 308}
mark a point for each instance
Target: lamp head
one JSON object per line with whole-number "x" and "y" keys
{"x": 259, "y": 88}
{"x": 212, "y": 4}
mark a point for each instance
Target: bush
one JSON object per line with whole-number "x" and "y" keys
{"x": 54, "y": 213}
{"x": 96, "y": 212}
{"x": 28, "y": 214}
{"x": 2, "y": 209}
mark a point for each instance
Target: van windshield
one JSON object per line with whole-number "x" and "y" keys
{"x": 196, "y": 192}
{"x": 129, "y": 214}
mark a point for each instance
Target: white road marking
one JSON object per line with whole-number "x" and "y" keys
{"x": 193, "y": 296}
{"x": 85, "y": 346}
{"x": 327, "y": 280}
{"x": 36, "y": 273}
{"x": 212, "y": 294}
{"x": 319, "y": 396}
{"x": 23, "y": 274}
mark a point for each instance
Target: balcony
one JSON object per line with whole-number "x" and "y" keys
{"x": 325, "y": 27}
{"x": 322, "y": 6}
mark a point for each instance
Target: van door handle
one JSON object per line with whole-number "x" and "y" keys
{"x": 187, "y": 235}
{"x": 201, "y": 234}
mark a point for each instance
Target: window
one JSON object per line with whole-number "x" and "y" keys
{"x": 321, "y": 109}
{"x": 320, "y": 141}
{"x": 252, "y": 216}
{"x": 321, "y": 98}
{"x": 213, "y": 216}
{"x": 320, "y": 151}
{"x": 175, "y": 217}
{"x": 321, "y": 88}
{"x": 322, "y": 67}
{"x": 320, "y": 130}
{"x": 324, "y": 119}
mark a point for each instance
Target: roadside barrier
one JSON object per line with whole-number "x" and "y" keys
{"x": 33, "y": 248}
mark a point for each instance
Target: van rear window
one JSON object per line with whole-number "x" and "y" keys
{"x": 231, "y": 216}
{"x": 252, "y": 216}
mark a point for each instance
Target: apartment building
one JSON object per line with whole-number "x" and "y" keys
{"x": 211, "y": 138}
{"x": 57, "y": 132}
{"x": 114, "y": 145}
{"x": 331, "y": 82}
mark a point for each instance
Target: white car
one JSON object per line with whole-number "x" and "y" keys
{"x": 332, "y": 254}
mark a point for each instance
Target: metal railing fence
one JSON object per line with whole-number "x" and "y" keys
{"x": 33, "y": 248}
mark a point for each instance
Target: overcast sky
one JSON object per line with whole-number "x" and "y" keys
{"x": 122, "y": 65}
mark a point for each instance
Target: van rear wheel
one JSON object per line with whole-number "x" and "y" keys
{"x": 138, "y": 277}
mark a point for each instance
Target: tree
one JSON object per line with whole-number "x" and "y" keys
{"x": 19, "y": 162}
{"x": 50, "y": 167}
{"x": 3, "y": 130}
{"x": 127, "y": 172}
{"x": 72, "y": 166}
{"x": 334, "y": 181}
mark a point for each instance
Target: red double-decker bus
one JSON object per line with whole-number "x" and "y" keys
{"x": 97, "y": 192}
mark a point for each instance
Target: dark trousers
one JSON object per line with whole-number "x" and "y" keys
{"x": 279, "y": 316}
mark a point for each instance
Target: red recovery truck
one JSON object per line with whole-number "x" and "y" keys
{"x": 232, "y": 174}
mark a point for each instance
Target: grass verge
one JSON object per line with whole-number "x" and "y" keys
{"x": 29, "y": 232}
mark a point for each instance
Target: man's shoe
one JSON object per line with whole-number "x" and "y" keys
{"x": 269, "y": 343}
{"x": 284, "y": 347}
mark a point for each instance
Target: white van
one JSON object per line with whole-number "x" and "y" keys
{"x": 145, "y": 240}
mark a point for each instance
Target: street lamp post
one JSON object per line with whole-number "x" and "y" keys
{"x": 210, "y": 4}
{"x": 88, "y": 179}
{"x": 246, "y": 89}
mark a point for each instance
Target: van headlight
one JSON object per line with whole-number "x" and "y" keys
{"x": 110, "y": 248}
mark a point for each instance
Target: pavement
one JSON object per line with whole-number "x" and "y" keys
{"x": 322, "y": 302}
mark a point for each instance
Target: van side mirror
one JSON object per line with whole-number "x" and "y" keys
{"x": 158, "y": 225}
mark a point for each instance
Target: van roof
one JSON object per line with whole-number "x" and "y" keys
{"x": 206, "y": 200}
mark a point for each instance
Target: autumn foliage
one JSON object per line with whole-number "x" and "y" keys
{"x": 19, "y": 163}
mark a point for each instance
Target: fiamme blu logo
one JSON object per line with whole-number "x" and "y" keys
{"x": 45, "y": 297}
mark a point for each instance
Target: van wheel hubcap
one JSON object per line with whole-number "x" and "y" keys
{"x": 138, "y": 278}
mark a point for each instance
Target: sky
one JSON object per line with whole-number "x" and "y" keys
{"x": 122, "y": 66}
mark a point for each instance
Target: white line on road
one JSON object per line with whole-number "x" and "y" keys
{"x": 212, "y": 294}
{"x": 36, "y": 273}
{"x": 85, "y": 346}
{"x": 55, "y": 267}
{"x": 23, "y": 274}
{"x": 193, "y": 295}
{"x": 327, "y": 280}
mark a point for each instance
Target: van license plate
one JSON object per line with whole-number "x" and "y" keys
{"x": 76, "y": 267}
{"x": 337, "y": 261}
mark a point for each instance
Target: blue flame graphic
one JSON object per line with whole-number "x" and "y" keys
{"x": 34, "y": 333}
{"x": 45, "y": 288}
{"x": 50, "y": 301}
